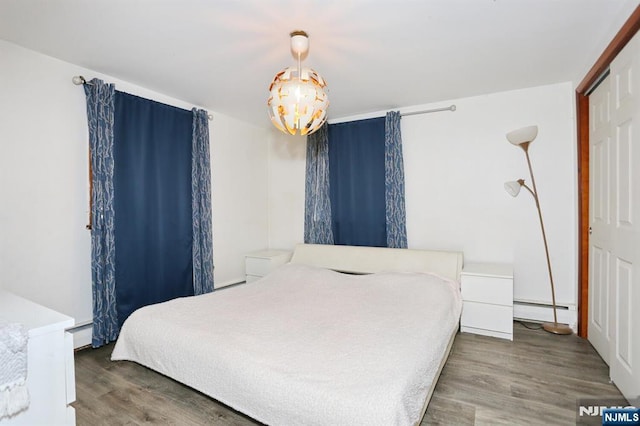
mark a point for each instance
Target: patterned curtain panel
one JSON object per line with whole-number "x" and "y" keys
{"x": 100, "y": 114}
{"x": 201, "y": 205}
{"x": 394, "y": 182}
{"x": 317, "y": 208}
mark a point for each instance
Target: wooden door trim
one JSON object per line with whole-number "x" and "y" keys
{"x": 626, "y": 33}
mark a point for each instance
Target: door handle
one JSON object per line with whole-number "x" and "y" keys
{"x": 590, "y": 230}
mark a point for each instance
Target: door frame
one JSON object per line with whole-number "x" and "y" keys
{"x": 626, "y": 33}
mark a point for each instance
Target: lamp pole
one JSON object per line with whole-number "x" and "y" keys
{"x": 555, "y": 327}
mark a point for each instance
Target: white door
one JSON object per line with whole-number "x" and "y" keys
{"x": 625, "y": 217}
{"x": 600, "y": 326}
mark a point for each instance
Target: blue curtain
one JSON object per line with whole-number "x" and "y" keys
{"x": 201, "y": 204}
{"x": 100, "y": 116}
{"x": 317, "y": 207}
{"x": 152, "y": 181}
{"x": 357, "y": 175}
{"x": 396, "y": 217}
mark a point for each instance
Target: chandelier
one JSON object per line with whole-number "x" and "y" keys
{"x": 297, "y": 100}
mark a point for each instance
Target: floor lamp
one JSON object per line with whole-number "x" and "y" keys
{"x": 523, "y": 138}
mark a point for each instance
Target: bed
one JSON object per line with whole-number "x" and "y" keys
{"x": 340, "y": 335}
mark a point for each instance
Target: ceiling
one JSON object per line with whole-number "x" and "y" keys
{"x": 375, "y": 55}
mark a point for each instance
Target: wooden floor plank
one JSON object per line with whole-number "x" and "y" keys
{"x": 536, "y": 379}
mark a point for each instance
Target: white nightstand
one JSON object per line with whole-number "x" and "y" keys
{"x": 260, "y": 263}
{"x": 50, "y": 365}
{"x": 487, "y": 295}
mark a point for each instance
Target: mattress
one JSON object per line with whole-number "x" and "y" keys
{"x": 305, "y": 345}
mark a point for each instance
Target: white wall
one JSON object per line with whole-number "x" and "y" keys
{"x": 455, "y": 167}
{"x": 44, "y": 246}
{"x": 239, "y": 174}
{"x": 287, "y": 160}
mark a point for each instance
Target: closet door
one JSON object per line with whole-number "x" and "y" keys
{"x": 625, "y": 219}
{"x": 600, "y": 323}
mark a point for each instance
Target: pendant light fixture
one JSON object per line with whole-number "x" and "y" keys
{"x": 298, "y": 101}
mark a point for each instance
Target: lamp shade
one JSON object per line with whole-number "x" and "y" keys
{"x": 523, "y": 135}
{"x": 298, "y": 101}
{"x": 298, "y": 98}
{"x": 513, "y": 188}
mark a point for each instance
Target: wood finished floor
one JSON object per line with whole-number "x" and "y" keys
{"x": 534, "y": 380}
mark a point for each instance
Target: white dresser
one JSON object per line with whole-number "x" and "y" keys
{"x": 50, "y": 366}
{"x": 260, "y": 263}
{"x": 487, "y": 295}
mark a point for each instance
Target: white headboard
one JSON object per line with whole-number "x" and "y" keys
{"x": 368, "y": 260}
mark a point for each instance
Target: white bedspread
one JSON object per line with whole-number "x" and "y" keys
{"x": 305, "y": 346}
{"x": 14, "y": 394}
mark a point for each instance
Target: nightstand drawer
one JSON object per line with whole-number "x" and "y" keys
{"x": 488, "y": 317}
{"x": 251, "y": 278}
{"x": 497, "y": 291}
{"x": 258, "y": 266}
{"x": 260, "y": 263}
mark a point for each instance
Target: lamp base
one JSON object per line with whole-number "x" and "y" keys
{"x": 555, "y": 328}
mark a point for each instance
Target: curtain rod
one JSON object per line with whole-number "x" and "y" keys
{"x": 79, "y": 80}
{"x": 380, "y": 114}
{"x": 427, "y": 111}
